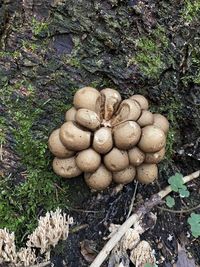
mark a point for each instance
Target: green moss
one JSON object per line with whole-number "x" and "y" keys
{"x": 39, "y": 27}
{"x": 191, "y": 10}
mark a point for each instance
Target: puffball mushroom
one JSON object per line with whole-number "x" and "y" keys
{"x": 141, "y": 100}
{"x": 103, "y": 141}
{"x": 88, "y": 160}
{"x": 100, "y": 179}
{"x": 136, "y": 156}
{"x": 129, "y": 110}
{"x": 155, "y": 157}
{"x": 73, "y": 137}
{"x": 111, "y": 100}
{"x": 56, "y": 146}
{"x": 87, "y": 118}
{"x": 126, "y": 134}
{"x": 116, "y": 160}
{"x": 109, "y": 139}
{"x": 161, "y": 122}
{"x": 66, "y": 168}
{"x": 125, "y": 176}
{"x": 89, "y": 98}
{"x": 70, "y": 114}
{"x": 152, "y": 140}
{"x": 147, "y": 173}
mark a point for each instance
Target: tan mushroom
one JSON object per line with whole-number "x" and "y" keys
{"x": 126, "y": 134}
{"x": 152, "y": 139}
{"x": 111, "y": 100}
{"x": 88, "y": 160}
{"x": 88, "y": 118}
{"x": 103, "y": 141}
{"x": 129, "y": 110}
{"x": 56, "y": 146}
{"x": 155, "y": 157}
{"x": 146, "y": 118}
{"x": 125, "y": 176}
{"x": 89, "y": 98}
{"x": 136, "y": 156}
{"x": 147, "y": 173}
{"x": 141, "y": 100}
{"x": 70, "y": 114}
{"x": 73, "y": 137}
{"x": 161, "y": 122}
{"x": 116, "y": 160}
{"x": 100, "y": 179}
{"x": 66, "y": 168}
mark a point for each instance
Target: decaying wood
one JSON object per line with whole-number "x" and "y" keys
{"x": 144, "y": 209}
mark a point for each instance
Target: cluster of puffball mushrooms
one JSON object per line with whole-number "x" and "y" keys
{"x": 109, "y": 139}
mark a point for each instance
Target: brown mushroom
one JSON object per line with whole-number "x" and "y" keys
{"x": 141, "y": 100}
{"x": 129, "y": 110}
{"x": 88, "y": 160}
{"x": 73, "y": 137}
{"x": 147, "y": 173}
{"x": 56, "y": 146}
{"x": 103, "y": 141}
{"x": 89, "y": 98}
{"x": 126, "y": 134}
{"x": 152, "y": 139}
{"x": 161, "y": 122}
{"x": 66, "y": 168}
{"x": 116, "y": 160}
{"x": 136, "y": 156}
{"x": 125, "y": 176}
{"x": 70, "y": 114}
{"x": 100, "y": 179}
{"x": 111, "y": 100}
{"x": 87, "y": 118}
{"x": 155, "y": 157}
{"x": 145, "y": 119}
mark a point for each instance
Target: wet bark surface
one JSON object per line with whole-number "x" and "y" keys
{"x": 49, "y": 49}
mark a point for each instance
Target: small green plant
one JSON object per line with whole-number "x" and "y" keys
{"x": 194, "y": 222}
{"x": 170, "y": 202}
{"x": 191, "y": 10}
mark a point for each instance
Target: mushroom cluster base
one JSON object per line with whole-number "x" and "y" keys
{"x": 109, "y": 139}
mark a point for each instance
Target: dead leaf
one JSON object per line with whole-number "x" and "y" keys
{"x": 183, "y": 260}
{"x": 88, "y": 250}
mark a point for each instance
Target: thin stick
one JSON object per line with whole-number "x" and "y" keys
{"x": 145, "y": 208}
{"x": 180, "y": 211}
{"x": 132, "y": 201}
{"x": 43, "y": 264}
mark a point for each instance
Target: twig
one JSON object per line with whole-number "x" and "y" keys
{"x": 43, "y": 264}
{"x": 180, "y": 211}
{"x": 145, "y": 208}
{"x": 86, "y": 211}
{"x": 132, "y": 201}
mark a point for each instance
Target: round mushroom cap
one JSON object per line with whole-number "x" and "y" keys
{"x": 100, "y": 179}
{"x": 111, "y": 100}
{"x": 70, "y": 114}
{"x": 161, "y": 122}
{"x": 88, "y": 160}
{"x": 147, "y": 173}
{"x": 152, "y": 139}
{"x": 56, "y": 147}
{"x": 103, "y": 141}
{"x": 129, "y": 110}
{"x": 146, "y": 118}
{"x": 136, "y": 156}
{"x": 66, "y": 168}
{"x": 116, "y": 160}
{"x": 73, "y": 137}
{"x": 87, "y": 118}
{"x": 125, "y": 176}
{"x": 155, "y": 157}
{"x": 89, "y": 98}
{"x": 126, "y": 134}
{"x": 141, "y": 100}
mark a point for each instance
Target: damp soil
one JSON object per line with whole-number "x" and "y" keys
{"x": 147, "y": 47}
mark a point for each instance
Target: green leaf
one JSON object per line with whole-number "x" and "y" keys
{"x": 184, "y": 192}
{"x": 176, "y": 181}
{"x": 170, "y": 201}
{"x": 194, "y": 221}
